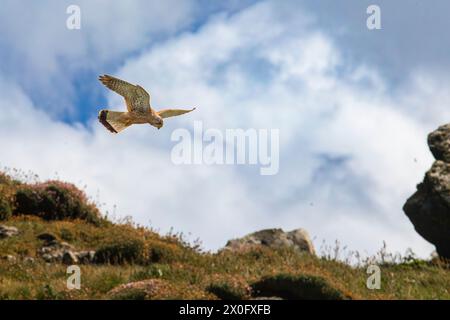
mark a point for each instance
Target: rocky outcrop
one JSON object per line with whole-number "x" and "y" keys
{"x": 6, "y": 232}
{"x": 429, "y": 207}
{"x": 439, "y": 143}
{"x": 274, "y": 238}
{"x": 56, "y": 251}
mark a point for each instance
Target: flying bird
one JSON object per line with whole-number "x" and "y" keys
{"x": 137, "y": 101}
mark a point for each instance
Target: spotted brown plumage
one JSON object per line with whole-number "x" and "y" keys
{"x": 139, "y": 110}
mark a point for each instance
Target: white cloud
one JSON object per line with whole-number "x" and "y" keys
{"x": 42, "y": 54}
{"x": 347, "y": 144}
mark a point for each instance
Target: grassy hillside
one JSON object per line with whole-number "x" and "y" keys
{"x": 132, "y": 262}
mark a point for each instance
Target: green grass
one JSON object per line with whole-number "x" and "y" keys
{"x": 225, "y": 274}
{"x": 129, "y": 253}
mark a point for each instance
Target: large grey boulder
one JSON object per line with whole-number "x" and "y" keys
{"x": 274, "y": 238}
{"x": 429, "y": 207}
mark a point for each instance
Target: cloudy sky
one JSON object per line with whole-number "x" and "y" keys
{"x": 353, "y": 107}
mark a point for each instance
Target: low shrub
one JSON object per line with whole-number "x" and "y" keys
{"x": 230, "y": 289}
{"x": 6, "y": 200}
{"x": 107, "y": 280}
{"x": 302, "y": 287}
{"x": 122, "y": 251}
{"x": 66, "y": 235}
{"x": 161, "y": 252}
{"x": 55, "y": 200}
{"x": 5, "y": 209}
{"x": 48, "y": 292}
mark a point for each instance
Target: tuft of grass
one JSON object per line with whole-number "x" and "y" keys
{"x": 47, "y": 292}
{"x": 161, "y": 252}
{"x": 131, "y": 294}
{"x": 152, "y": 271}
{"x": 122, "y": 251}
{"x": 5, "y": 208}
{"x": 66, "y": 235}
{"x": 229, "y": 287}
{"x": 6, "y": 196}
{"x": 6, "y": 179}
{"x": 106, "y": 281}
{"x": 226, "y": 291}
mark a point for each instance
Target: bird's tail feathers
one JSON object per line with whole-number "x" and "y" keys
{"x": 114, "y": 121}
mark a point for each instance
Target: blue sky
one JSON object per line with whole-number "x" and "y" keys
{"x": 353, "y": 107}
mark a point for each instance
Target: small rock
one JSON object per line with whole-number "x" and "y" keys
{"x": 48, "y": 257}
{"x": 56, "y": 251}
{"x": 29, "y": 260}
{"x": 65, "y": 245}
{"x": 53, "y": 256}
{"x": 85, "y": 256}
{"x": 52, "y": 243}
{"x": 45, "y": 250}
{"x": 9, "y": 258}
{"x": 69, "y": 258}
{"x": 6, "y": 232}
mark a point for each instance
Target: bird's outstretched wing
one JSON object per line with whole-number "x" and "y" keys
{"x": 166, "y": 113}
{"x": 136, "y": 98}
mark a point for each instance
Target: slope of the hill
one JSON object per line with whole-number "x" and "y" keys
{"x": 45, "y": 227}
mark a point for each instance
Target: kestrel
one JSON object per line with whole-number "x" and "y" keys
{"x": 138, "y": 106}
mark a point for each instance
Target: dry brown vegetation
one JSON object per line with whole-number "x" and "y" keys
{"x": 166, "y": 267}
